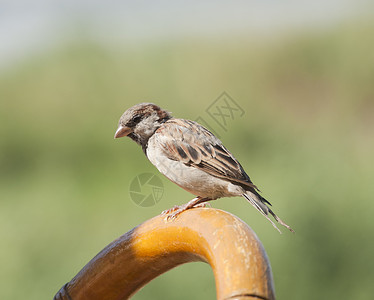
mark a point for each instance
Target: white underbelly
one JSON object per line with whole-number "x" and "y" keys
{"x": 192, "y": 179}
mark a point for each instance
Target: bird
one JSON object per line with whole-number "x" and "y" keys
{"x": 192, "y": 157}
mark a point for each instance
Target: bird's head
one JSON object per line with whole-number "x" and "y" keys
{"x": 141, "y": 121}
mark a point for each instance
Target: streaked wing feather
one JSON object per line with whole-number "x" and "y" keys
{"x": 194, "y": 145}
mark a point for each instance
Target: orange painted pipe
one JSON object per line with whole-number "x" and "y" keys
{"x": 237, "y": 257}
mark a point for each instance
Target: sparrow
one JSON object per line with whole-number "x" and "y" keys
{"x": 189, "y": 155}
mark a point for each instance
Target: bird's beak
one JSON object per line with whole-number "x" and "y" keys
{"x": 122, "y": 131}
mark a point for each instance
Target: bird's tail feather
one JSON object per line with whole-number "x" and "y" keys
{"x": 260, "y": 204}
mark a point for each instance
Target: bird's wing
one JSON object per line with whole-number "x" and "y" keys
{"x": 189, "y": 142}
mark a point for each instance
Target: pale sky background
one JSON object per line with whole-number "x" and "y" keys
{"x": 28, "y": 27}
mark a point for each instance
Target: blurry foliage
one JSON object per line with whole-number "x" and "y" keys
{"x": 306, "y": 140}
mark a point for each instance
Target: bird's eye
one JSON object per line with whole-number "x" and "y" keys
{"x": 136, "y": 119}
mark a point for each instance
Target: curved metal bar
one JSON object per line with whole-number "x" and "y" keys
{"x": 237, "y": 257}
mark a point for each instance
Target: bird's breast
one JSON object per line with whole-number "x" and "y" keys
{"x": 188, "y": 177}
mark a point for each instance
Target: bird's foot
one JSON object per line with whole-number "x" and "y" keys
{"x": 172, "y": 213}
{"x": 205, "y": 204}
{"x": 170, "y": 210}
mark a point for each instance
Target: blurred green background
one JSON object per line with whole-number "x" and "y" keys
{"x": 306, "y": 139}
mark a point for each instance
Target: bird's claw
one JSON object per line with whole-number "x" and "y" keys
{"x": 175, "y": 211}
{"x": 170, "y": 210}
